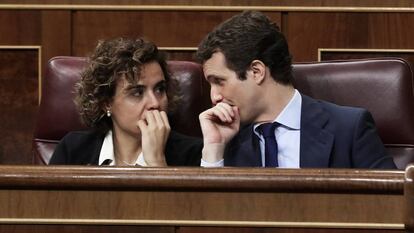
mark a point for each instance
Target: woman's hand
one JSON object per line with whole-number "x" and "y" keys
{"x": 154, "y": 132}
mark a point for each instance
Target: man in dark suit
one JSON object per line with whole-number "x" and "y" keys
{"x": 259, "y": 119}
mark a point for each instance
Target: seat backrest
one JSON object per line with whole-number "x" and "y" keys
{"x": 383, "y": 86}
{"x": 58, "y": 114}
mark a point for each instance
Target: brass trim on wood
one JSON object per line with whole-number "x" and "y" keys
{"x": 199, "y": 8}
{"x": 192, "y": 49}
{"x": 406, "y": 177}
{"x": 61, "y": 221}
{"x": 39, "y": 60}
{"x": 321, "y": 50}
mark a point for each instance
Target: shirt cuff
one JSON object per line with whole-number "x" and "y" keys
{"x": 141, "y": 161}
{"x": 219, "y": 163}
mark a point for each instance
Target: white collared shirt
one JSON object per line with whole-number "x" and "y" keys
{"x": 107, "y": 153}
{"x": 287, "y": 136}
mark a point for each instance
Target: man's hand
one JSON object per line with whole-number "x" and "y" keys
{"x": 154, "y": 132}
{"x": 219, "y": 125}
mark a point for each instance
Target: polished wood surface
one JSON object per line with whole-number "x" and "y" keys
{"x": 280, "y": 230}
{"x": 409, "y": 197}
{"x": 347, "y": 30}
{"x": 321, "y": 3}
{"x": 231, "y": 197}
{"x": 166, "y": 29}
{"x": 18, "y": 103}
{"x": 41, "y": 228}
{"x": 252, "y": 179}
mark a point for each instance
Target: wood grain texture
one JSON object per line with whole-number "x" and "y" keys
{"x": 409, "y": 197}
{"x": 18, "y": 103}
{"x": 349, "y": 3}
{"x": 19, "y": 27}
{"x": 306, "y": 32}
{"x": 279, "y": 230}
{"x": 38, "y": 228}
{"x": 166, "y": 29}
{"x": 253, "y": 179}
{"x": 201, "y": 197}
{"x": 56, "y": 34}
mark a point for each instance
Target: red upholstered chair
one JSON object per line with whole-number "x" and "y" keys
{"x": 383, "y": 86}
{"x": 58, "y": 115}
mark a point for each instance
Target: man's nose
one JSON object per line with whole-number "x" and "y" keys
{"x": 215, "y": 96}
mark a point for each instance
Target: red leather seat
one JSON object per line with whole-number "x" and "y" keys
{"x": 384, "y": 86}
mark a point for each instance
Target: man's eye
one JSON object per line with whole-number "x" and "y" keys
{"x": 218, "y": 81}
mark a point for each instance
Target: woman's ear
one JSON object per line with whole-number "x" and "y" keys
{"x": 258, "y": 69}
{"x": 106, "y": 107}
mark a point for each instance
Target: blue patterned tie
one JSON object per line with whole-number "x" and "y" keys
{"x": 268, "y": 132}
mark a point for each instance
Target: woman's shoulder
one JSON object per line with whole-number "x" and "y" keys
{"x": 82, "y": 136}
{"x": 78, "y": 147}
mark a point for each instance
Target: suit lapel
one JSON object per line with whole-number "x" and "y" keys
{"x": 96, "y": 149}
{"x": 243, "y": 150}
{"x": 315, "y": 142}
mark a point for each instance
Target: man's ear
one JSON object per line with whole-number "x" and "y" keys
{"x": 258, "y": 70}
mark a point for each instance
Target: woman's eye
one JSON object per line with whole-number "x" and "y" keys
{"x": 161, "y": 89}
{"x": 137, "y": 92}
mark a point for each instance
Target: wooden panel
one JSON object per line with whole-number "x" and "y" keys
{"x": 56, "y": 29}
{"x": 281, "y": 198}
{"x": 49, "y": 29}
{"x": 351, "y": 3}
{"x": 19, "y": 73}
{"x": 18, "y": 103}
{"x": 409, "y": 198}
{"x": 278, "y": 230}
{"x": 306, "y": 32}
{"x": 32, "y": 228}
{"x": 181, "y": 55}
{"x": 170, "y": 29}
{"x": 216, "y": 206}
{"x": 19, "y": 27}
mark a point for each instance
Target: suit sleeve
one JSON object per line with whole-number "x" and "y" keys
{"x": 368, "y": 149}
{"x": 60, "y": 155}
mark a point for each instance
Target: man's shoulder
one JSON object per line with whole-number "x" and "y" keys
{"x": 331, "y": 108}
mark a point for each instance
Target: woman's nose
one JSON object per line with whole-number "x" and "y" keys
{"x": 153, "y": 102}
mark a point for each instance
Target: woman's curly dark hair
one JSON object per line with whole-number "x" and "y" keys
{"x": 111, "y": 60}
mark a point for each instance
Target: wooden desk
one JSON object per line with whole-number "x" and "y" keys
{"x": 409, "y": 197}
{"x": 80, "y": 199}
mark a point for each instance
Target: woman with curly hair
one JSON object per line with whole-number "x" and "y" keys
{"x": 123, "y": 97}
